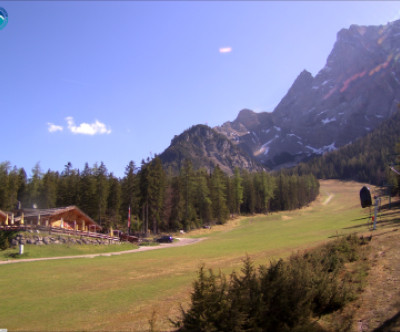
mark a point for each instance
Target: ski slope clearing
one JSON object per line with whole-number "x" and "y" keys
{"x": 120, "y": 292}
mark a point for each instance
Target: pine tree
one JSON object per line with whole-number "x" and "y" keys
{"x": 157, "y": 185}
{"x": 34, "y": 186}
{"x": 177, "y": 207}
{"x": 68, "y": 187}
{"x": 4, "y": 169}
{"x": 249, "y": 193}
{"x": 13, "y": 187}
{"x": 48, "y": 190}
{"x": 144, "y": 194}
{"x": 100, "y": 175}
{"x": 87, "y": 189}
{"x": 218, "y": 196}
{"x": 113, "y": 202}
{"x": 22, "y": 186}
{"x": 202, "y": 200}
{"x": 237, "y": 191}
{"x": 187, "y": 185}
{"x": 130, "y": 192}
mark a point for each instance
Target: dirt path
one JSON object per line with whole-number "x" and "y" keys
{"x": 328, "y": 199}
{"x": 181, "y": 242}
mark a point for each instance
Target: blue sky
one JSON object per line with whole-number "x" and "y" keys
{"x": 92, "y": 81}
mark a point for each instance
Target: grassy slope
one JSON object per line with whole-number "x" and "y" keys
{"x": 120, "y": 292}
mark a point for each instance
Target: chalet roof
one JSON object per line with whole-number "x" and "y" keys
{"x": 58, "y": 211}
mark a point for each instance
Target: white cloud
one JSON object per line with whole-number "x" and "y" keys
{"x": 52, "y": 128}
{"x": 96, "y": 128}
{"x": 225, "y": 50}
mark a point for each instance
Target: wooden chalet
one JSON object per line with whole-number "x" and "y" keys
{"x": 69, "y": 218}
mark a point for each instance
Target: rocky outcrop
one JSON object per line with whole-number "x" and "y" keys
{"x": 206, "y": 148}
{"x": 39, "y": 239}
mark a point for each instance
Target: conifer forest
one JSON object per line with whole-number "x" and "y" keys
{"x": 159, "y": 201}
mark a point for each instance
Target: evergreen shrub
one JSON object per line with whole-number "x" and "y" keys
{"x": 283, "y": 296}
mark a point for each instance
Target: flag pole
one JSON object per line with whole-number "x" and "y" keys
{"x": 129, "y": 221}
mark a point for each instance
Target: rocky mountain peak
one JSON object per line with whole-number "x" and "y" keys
{"x": 357, "y": 89}
{"x": 248, "y": 118}
{"x": 303, "y": 81}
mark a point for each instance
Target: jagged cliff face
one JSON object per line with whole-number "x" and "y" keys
{"x": 206, "y": 148}
{"x": 357, "y": 89}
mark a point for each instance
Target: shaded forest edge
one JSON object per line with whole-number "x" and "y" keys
{"x": 289, "y": 295}
{"x": 158, "y": 200}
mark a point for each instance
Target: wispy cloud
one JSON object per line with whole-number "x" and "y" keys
{"x": 225, "y": 49}
{"x": 52, "y": 128}
{"x": 95, "y": 128}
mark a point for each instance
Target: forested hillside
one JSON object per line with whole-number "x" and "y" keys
{"x": 206, "y": 148}
{"x": 366, "y": 160}
{"x": 159, "y": 201}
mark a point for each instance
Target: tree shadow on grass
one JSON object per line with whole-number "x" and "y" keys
{"x": 16, "y": 255}
{"x": 393, "y": 211}
{"x": 390, "y": 324}
{"x": 358, "y": 226}
{"x": 363, "y": 218}
{"x": 393, "y": 206}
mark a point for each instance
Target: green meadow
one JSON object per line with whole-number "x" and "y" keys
{"x": 122, "y": 292}
{"x": 59, "y": 250}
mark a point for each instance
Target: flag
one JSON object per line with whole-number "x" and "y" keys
{"x": 129, "y": 217}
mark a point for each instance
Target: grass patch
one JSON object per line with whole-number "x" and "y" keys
{"x": 149, "y": 244}
{"x": 59, "y": 250}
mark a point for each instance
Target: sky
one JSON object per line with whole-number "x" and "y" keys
{"x": 114, "y": 81}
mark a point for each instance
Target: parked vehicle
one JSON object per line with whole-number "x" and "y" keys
{"x": 165, "y": 239}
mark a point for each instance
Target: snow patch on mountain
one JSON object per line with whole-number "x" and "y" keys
{"x": 265, "y": 147}
{"x": 326, "y": 148}
{"x": 294, "y": 135}
{"x": 328, "y": 120}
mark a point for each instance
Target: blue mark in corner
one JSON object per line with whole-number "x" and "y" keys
{"x": 3, "y": 18}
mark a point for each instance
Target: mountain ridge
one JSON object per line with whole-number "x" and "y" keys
{"x": 206, "y": 148}
{"x": 358, "y": 88}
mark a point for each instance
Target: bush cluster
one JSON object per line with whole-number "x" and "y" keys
{"x": 281, "y": 297}
{"x": 5, "y": 239}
